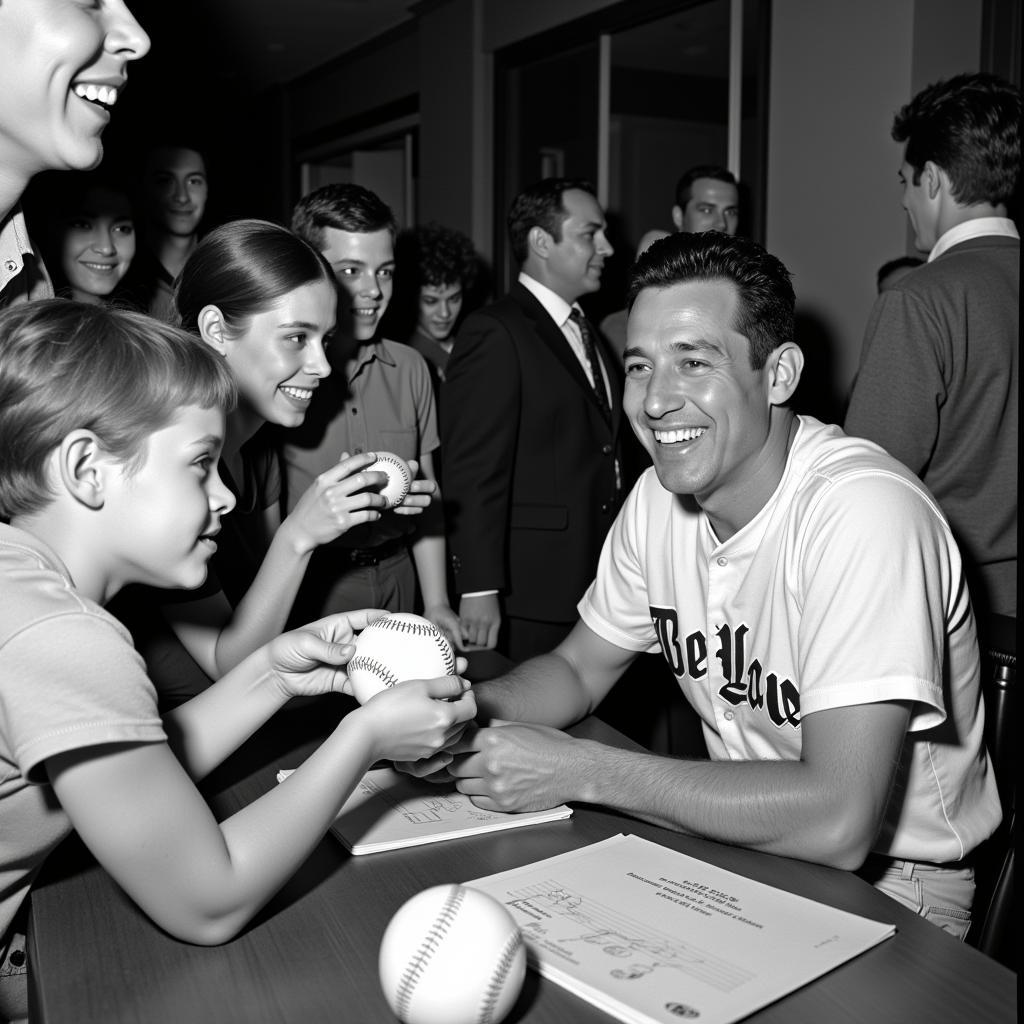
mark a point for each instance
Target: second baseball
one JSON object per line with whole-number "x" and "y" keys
{"x": 399, "y": 477}
{"x": 452, "y": 955}
{"x": 395, "y": 648}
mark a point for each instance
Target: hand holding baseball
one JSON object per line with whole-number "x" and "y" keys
{"x": 343, "y": 496}
{"x": 417, "y": 718}
{"x": 421, "y": 493}
{"x": 309, "y": 661}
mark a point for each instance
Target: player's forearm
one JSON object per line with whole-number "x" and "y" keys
{"x": 206, "y": 729}
{"x": 545, "y": 690}
{"x": 778, "y": 807}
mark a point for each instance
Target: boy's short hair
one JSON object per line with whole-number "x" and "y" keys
{"x": 970, "y": 127}
{"x": 765, "y": 315}
{"x": 346, "y": 207}
{"x": 67, "y": 366}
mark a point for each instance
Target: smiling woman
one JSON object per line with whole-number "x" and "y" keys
{"x": 86, "y": 227}
{"x": 64, "y": 65}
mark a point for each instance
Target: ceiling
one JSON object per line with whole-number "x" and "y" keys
{"x": 252, "y": 44}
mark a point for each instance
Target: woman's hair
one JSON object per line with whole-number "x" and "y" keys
{"x": 68, "y": 366}
{"x": 243, "y": 267}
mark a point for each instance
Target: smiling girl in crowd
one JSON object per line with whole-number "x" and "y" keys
{"x": 87, "y": 229}
{"x": 266, "y": 302}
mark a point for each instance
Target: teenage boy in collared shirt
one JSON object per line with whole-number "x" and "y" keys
{"x": 379, "y": 398}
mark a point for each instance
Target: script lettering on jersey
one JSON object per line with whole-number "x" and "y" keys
{"x": 746, "y": 679}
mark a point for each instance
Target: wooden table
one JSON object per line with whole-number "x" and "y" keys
{"x": 311, "y": 956}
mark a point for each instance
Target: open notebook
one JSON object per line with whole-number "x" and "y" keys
{"x": 389, "y": 810}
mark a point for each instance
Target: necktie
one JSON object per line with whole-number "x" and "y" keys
{"x": 590, "y": 348}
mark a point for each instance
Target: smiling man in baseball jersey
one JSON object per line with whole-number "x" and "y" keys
{"x": 803, "y": 586}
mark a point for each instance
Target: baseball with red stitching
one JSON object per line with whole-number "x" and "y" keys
{"x": 452, "y": 955}
{"x": 397, "y": 647}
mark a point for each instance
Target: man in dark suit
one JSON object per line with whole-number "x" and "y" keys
{"x": 530, "y": 431}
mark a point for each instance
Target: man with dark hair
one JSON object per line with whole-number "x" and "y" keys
{"x": 172, "y": 201}
{"x": 833, "y": 664}
{"x": 707, "y": 199}
{"x": 938, "y": 380}
{"x": 379, "y": 398}
{"x": 530, "y": 415}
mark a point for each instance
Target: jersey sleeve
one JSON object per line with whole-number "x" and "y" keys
{"x": 74, "y": 681}
{"x": 877, "y": 576}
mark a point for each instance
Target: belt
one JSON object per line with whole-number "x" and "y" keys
{"x": 377, "y": 554}
{"x": 878, "y": 862}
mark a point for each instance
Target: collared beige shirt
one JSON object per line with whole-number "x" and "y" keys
{"x": 389, "y": 407}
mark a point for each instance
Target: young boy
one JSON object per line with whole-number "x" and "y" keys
{"x": 379, "y": 398}
{"x": 112, "y": 426}
{"x": 63, "y": 66}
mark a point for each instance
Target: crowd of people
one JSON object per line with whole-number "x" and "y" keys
{"x": 191, "y": 531}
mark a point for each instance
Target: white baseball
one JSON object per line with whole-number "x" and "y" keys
{"x": 395, "y": 648}
{"x": 452, "y": 955}
{"x": 399, "y": 477}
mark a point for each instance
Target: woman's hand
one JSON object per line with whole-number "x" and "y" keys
{"x": 341, "y": 497}
{"x": 421, "y": 493}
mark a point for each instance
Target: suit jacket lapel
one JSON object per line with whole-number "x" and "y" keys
{"x": 551, "y": 334}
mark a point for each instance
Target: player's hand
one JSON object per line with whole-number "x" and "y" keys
{"x": 444, "y": 617}
{"x": 480, "y": 620}
{"x": 421, "y": 494}
{"x": 338, "y": 499}
{"x": 419, "y": 717}
{"x": 310, "y": 661}
{"x": 510, "y": 766}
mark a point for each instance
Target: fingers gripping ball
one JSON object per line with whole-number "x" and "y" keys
{"x": 452, "y": 955}
{"x": 399, "y": 647}
{"x": 399, "y": 477}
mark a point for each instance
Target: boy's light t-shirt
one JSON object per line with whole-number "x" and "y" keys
{"x": 69, "y": 678}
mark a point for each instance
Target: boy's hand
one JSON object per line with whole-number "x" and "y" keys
{"x": 417, "y": 718}
{"x": 421, "y": 493}
{"x": 310, "y": 661}
{"x": 336, "y": 501}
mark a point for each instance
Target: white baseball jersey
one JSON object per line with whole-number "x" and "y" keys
{"x": 847, "y": 588}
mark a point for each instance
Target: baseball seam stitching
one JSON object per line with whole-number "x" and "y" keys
{"x": 445, "y": 650}
{"x": 374, "y": 667}
{"x": 436, "y": 934}
{"x": 499, "y": 977}
{"x": 403, "y": 626}
{"x": 403, "y": 470}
